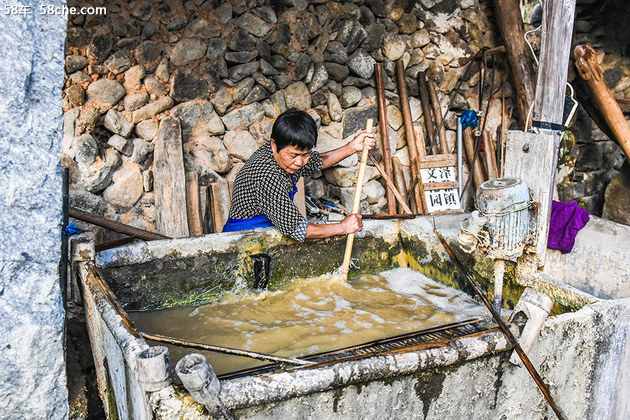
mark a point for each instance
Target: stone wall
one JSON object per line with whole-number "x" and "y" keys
{"x": 33, "y": 377}
{"x": 226, "y": 70}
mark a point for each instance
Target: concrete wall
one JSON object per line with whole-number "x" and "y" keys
{"x": 33, "y": 377}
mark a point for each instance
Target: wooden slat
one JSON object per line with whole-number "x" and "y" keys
{"x": 170, "y": 180}
{"x": 204, "y": 210}
{"x": 430, "y": 186}
{"x": 219, "y": 204}
{"x": 425, "y": 101}
{"x": 192, "y": 204}
{"x": 489, "y": 156}
{"x": 437, "y": 161}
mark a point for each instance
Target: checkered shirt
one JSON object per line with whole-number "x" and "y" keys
{"x": 262, "y": 187}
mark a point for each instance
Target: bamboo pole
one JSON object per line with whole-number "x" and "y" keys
{"x": 437, "y": 111}
{"x": 426, "y": 109}
{"x": 345, "y": 267}
{"x": 411, "y": 138}
{"x": 384, "y": 134}
{"x": 591, "y": 72}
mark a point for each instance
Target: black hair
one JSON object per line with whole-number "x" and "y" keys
{"x": 294, "y": 128}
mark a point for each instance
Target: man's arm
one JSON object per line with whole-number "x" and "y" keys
{"x": 332, "y": 157}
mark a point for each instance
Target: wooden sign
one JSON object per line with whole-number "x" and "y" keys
{"x": 439, "y": 180}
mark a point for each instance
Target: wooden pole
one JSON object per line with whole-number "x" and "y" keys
{"x": 345, "y": 267}
{"x": 192, "y": 204}
{"x": 591, "y": 72}
{"x": 391, "y": 185}
{"x": 426, "y": 109}
{"x": 219, "y": 195}
{"x": 384, "y": 134}
{"x": 489, "y": 155}
{"x": 469, "y": 145}
{"x": 115, "y": 226}
{"x": 399, "y": 179}
{"x": 521, "y": 62}
{"x": 411, "y": 138}
{"x": 437, "y": 111}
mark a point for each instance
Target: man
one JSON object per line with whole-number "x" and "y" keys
{"x": 264, "y": 188}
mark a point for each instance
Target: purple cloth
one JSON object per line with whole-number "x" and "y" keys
{"x": 566, "y": 221}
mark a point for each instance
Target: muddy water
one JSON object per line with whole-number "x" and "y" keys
{"x": 312, "y": 316}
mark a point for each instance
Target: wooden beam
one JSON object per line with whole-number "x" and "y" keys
{"x": 555, "y": 51}
{"x": 193, "y": 212}
{"x": 591, "y": 72}
{"x": 521, "y": 62}
{"x": 384, "y": 134}
{"x": 170, "y": 180}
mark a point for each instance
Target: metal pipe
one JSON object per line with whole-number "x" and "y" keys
{"x": 460, "y": 157}
{"x": 505, "y": 329}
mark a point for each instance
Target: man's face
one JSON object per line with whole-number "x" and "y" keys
{"x": 290, "y": 158}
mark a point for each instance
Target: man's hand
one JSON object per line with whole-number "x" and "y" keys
{"x": 352, "y": 223}
{"x": 362, "y": 137}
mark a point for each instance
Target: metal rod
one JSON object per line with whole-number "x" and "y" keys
{"x": 505, "y": 329}
{"x": 460, "y": 156}
{"x": 226, "y": 350}
{"x": 176, "y": 341}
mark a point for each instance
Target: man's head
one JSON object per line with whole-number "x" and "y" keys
{"x": 293, "y": 136}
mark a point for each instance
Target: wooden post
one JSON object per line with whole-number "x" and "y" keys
{"x": 411, "y": 138}
{"x": 170, "y": 180}
{"x": 384, "y": 134}
{"x": 192, "y": 204}
{"x": 219, "y": 195}
{"x": 204, "y": 210}
{"x": 533, "y": 157}
{"x": 437, "y": 111}
{"x": 591, "y": 72}
{"x": 426, "y": 109}
{"x": 508, "y": 16}
{"x": 489, "y": 155}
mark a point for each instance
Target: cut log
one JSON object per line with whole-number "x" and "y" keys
{"x": 591, "y": 72}
{"x": 170, "y": 180}
{"x": 521, "y": 62}
{"x": 192, "y": 204}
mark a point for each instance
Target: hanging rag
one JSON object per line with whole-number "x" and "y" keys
{"x": 566, "y": 221}
{"x": 469, "y": 119}
{"x": 233, "y": 225}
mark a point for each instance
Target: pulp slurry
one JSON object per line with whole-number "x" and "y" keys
{"x": 313, "y": 315}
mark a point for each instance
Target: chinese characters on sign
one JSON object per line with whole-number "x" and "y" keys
{"x": 440, "y": 199}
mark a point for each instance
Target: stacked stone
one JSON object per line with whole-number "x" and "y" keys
{"x": 227, "y": 70}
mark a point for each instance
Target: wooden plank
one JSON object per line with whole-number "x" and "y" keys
{"x": 438, "y": 161}
{"x": 489, "y": 156}
{"x": 204, "y": 210}
{"x": 555, "y": 50}
{"x": 219, "y": 204}
{"x": 591, "y": 72}
{"x": 170, "y": 180}
{"x": 532, "y": 158}
{"x": 431, "y": 186}
{"x": 508, "y": 17}
{"x": 192, "y": 204}
{"x": 469, "y": 146}
{"x": 384, "y": 135}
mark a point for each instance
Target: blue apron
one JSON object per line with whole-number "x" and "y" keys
{"x": 259, "y": 221}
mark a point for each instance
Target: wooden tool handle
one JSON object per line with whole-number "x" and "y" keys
{"x": 345, "y": 267}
